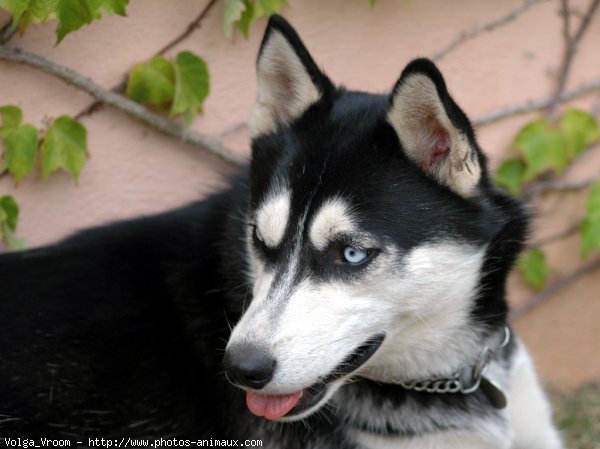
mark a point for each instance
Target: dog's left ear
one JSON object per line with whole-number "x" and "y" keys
{"x": 289, "y": 81}
{"x": 433, "y": 131}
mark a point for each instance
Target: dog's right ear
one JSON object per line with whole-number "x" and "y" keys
{"x": 289, "y": 81}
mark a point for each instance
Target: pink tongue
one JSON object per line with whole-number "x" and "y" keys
{"x": 271, "y": 406}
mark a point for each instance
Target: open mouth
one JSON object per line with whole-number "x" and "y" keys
{"x": 289, "y": 405}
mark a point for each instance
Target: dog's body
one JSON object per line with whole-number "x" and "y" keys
{"x": 364, "y": 261}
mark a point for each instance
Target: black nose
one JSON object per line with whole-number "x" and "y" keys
{"x": 249, "y": 366}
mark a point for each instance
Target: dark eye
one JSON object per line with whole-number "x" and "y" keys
{"x": 257, "y": 235}
{"x": 354, "y": 255}
{"x": 261, "y": 249}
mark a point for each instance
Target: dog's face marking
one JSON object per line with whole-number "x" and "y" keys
{"x": 333, "y": 219}
{"x": 272, "y": 217}
{"x": 310, "y": 325}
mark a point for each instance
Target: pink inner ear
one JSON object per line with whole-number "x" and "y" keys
{"x": 438, "y": 151}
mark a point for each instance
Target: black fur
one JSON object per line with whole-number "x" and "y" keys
{"x": 120, "y": 330}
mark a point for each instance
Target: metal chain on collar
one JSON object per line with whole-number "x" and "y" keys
{"x": 465, "y": 381}
{"x": 448, "y": 385}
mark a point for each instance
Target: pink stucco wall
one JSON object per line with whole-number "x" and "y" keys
{"x": 135, "y": 170}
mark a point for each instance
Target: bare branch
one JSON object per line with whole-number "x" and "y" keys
{"x": 566, "y": 16}
{"x": 560, "y": 95}
{"x": 490, "y": 26}
{"x": 556, "y": 286}
{"x": 120, "y": 102}
{"x": 119, "y": 88}
{"x": 585, "y": 23}
{"x": 7, "y": 32}
{"x": 564, "y": 233}
{"x": 571, "y": 45}
{"x": 189, "y": 29}
{"x": 232, "y": 129}
{"x": 558, "y": 185}
{"x": 535, "y": 105}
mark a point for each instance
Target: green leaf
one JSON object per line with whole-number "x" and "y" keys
{"x": 16, "y": 8}
{"x": 232, "y": 12}
{"x": 271, "y": 6}
{"x": 191, "y": 85}
{"x": 12, "y": 242}
{"x": 579, "y": 130}
{"x": 65, "y": 146}
{"x": 11, "y": 117}
{"x": 116, "y": 6}
{"x": 9, "y": 212}
{"x": 2, "y": 221}
{"x": 373, "y": 3}
{"x": 9, "y": 216}
{"x": 152, "y": 82}
{"x": 24, "y": 11}
{"x": 21, "y": 142}
{"x": 21, "y": 150}
{"x": 250, "y": 14}
{"x": 36, "y": 11}
{"x": 590, "y": 229}
{"x": 532, "y": 265}
{"x": 73, "y": 14}
{"x": 242, "y": 13}
{"x": 510, "y": 175}
{"x": 543, "y": 148}
{"x": 41, "y": 10}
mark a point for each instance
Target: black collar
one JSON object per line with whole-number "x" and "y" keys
{"x": 469, "y": 379}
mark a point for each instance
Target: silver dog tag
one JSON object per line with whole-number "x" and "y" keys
{"x": 493, "y": 392}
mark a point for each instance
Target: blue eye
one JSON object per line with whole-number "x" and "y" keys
{"x": 355, "y": 255}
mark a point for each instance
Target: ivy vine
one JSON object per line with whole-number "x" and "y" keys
{"x": 173, "y": 87}
{"x": 545, "y": 149}
{"x": 169, "y": 88}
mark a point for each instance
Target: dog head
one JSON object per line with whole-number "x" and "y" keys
{"x": 374, "y": 237}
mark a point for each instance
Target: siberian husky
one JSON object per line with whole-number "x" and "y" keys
{"x": 361, "y": 262}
